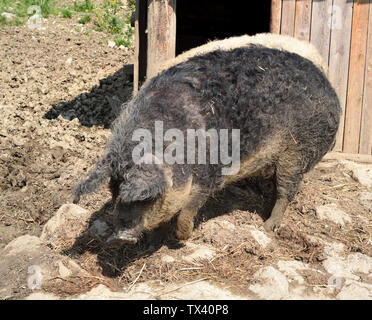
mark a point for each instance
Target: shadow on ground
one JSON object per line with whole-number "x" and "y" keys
{"x": 93, "y": 108}
{"x": 254, "y": 196}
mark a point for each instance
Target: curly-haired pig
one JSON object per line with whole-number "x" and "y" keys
{"x": 284, "y": 106}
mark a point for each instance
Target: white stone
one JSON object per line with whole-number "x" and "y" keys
{"x": 366, "y": 199}
{"x": 202, "y": 290}
{"x": 200, "y": 253}
{"x": 8, "y": 15}
{"x": 356, "y": 291}
{"x": 334, "y": 249}
{"x": 332, "y": 213}
{"x": 41, "y": 296}
{"x": 111, "y": 44}
{"x": 361, "y": 173}
{"x": 69, "y": 222}
{"x": 262, "y": 239}
{"x": 290, "y": 268}
{"x": 69, "y": 61}
{"x": 63, "y": 271}
{"x": 358, "y": 262}
{"x": 20, "y": 244}
{"x": 167, "y": 259}
{"x": 271, "y": 284}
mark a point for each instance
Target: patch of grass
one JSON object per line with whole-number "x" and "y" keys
{"x": 85, "y": 19}
{"x": 86, "y": 6}
{"x": 108, "y": 19}
{"x": 66, "y": 13}
{"x": 23, "y": 9}
{"x": 3, "y": 21}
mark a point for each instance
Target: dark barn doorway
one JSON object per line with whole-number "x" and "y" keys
{"x": 165, "y": 28}
{"x": 199, "y": 21}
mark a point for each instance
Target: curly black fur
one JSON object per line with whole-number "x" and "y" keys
{"x": 266, "y": 93}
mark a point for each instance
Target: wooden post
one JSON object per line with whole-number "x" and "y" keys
{"x": 276, "y": 16}
{"x": 288, "y": 17}
{"x": 339, "y": 58}
{"x": 161, "y": 36}
{"x": 321, "y": 26}
{"x": 358, "y": 51}
{"x": 366, "y": 129}
{"x": 303, "y": 19}
{"x": 141, "y": 44}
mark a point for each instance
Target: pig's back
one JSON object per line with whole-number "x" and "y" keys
{"x": 264, "y": 93}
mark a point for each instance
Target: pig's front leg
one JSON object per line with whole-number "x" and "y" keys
{"x": 185, "y": 220}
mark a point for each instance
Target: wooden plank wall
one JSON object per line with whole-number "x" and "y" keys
{"x": 342, "y": 32}
{"x": 161, "y": 28}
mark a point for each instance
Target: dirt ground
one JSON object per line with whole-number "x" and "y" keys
{"x": 54, "y": 123}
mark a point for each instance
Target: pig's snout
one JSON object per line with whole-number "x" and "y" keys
{"x": 127, "y": 236}
{"x": 122, "y": 237}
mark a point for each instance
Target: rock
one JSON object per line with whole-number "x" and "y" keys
{"x": 140, "y": 291}
{"x": 344, "y": 268}
{"x": 290, "y": 268}
{"x": 69, "y": 61}
{"x": 202, "y": 290}
{"x": 332, "y": 213}
{"x": 355, "y": 291}
{"x": 361, "y": 173}
{"x": 271, "y": 284}
{"x": 69, "y": 222}
{"x": 42, "y": 296}
{"x": 8, "y": 15}
{"x": 29, "y": 265}
{"x": 167, "y": 259}
{"x": 111, "y": 44}
{"x": 200, "y": 253}
{"x": 334, "y": 249}
{"x": 360, "y": 263}
{"x": 262, "y": 239}
{"x": 366, "y": 200}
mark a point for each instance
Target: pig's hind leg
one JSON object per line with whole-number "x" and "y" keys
{"x": 288, "y": 177}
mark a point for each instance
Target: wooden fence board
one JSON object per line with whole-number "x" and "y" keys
{"x": 303, "y": 19}
{"x": 320, "y": 26}
{"x": 276, "y": 16}
{"x": 339, "y": 57}
{"x": 161, "y": 38}
{"x": 366, "y": 129}
{"x": 288, "y": 17}
{"x": 354, "y": 99}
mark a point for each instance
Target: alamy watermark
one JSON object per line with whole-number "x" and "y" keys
{"x": 220, "y": 150}
{"x": 36, "y": 20}
{"x": 34, "y": 281}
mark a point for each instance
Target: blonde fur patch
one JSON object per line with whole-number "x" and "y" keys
{"x": 269, "y": 40}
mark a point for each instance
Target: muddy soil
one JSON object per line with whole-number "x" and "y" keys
{"x": 54, "y": 116}
{"x": 54, "y": 124}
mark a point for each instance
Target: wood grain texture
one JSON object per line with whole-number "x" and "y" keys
{"x": 364, "y": 158}
{"x": 140, "y": 54}
{"x": 136, "y": 50}
{"x": 339, "y": 57}
{"x": 303, "y": 19}
{"x": 354, "y": 99}
{"x": 321, "y": 26}
{"x": 161, "y": 37}
{"x": 366, "y": 126}
{"x": 276, "y": 16}
{"x": 288, "y": 17}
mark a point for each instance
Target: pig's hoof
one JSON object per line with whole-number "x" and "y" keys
{"x": 271, "y": 225}
{"x": 184, "y": 234}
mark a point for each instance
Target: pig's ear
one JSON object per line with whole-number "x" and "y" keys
{"x": 95, "y": 177}
{"x": 145, "y": 185}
